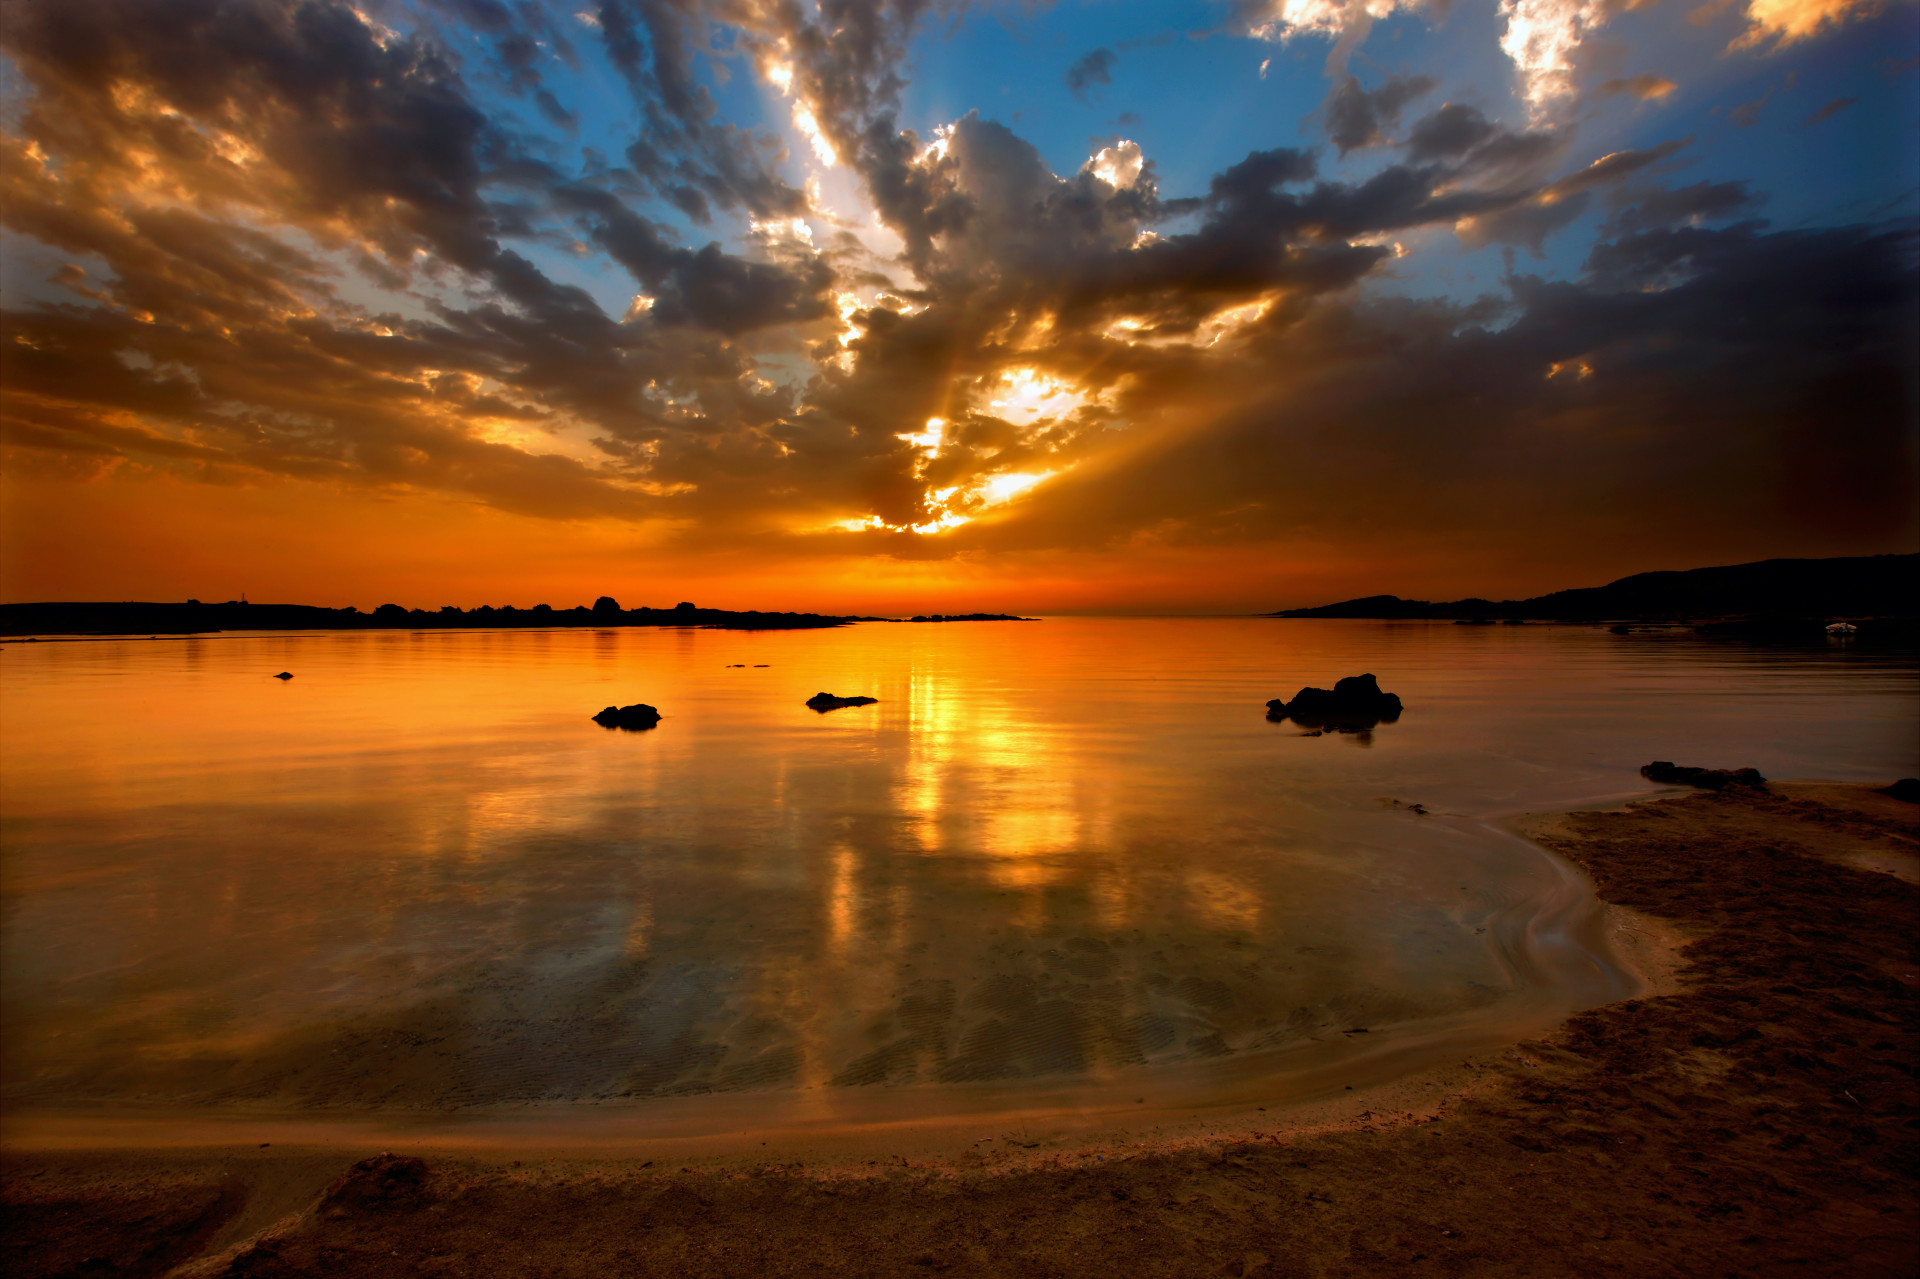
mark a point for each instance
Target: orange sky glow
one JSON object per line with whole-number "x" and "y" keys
{"x": 421, "y": 303}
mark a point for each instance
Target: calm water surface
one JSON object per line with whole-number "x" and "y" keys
{"x": 417, "y": 877}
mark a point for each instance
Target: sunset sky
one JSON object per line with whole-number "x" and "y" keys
{"x": 907, "y": 306}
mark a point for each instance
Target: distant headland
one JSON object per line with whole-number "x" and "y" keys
{"x": 1767, "y": 594}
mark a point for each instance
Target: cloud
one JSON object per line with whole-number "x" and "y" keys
{"x": 1345, "y": 21}
{"x": 1529, "y": 219}
{"x": 284, "y": 243}
{"x": 1542, "y": 38}
{"x": 1647, "y": 87}
{"x": 1778, "y": 22}
{"x": 1092, "y": 69}
{"x": 1832, "y": 108}
{"x": 1451, "y": 131}
{"x": 1642, "y": 209}
{"x": 312, "y": 122}
{"x": 1357, "y": 118}
{"x": 1630, "y": 401}
{"x": 1747, "y": 114}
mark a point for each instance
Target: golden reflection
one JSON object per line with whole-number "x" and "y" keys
{"x": 1223, "y": 902}
{"x": 1024, "y": 859}
{"x": 984, "y": 780}
{"x": 841, "y": 904}
{"x": 639, "y": 931}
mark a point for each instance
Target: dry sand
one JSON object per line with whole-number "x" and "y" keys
{"x": 1754, "y": 1113}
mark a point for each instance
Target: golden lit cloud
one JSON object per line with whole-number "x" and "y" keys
{"x": 1785, "y": 21}
{"x": 1024, "y": 396}
{"x": 1541, "y": 38}
{"x": 1280, "y": 19}
{"x": 1119, "y": 165}
{"x": 803, "y": 120}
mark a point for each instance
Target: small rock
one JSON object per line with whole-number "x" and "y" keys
{"x": 284, "y": 675}
{"x": 824, "y": 702}
{"x": 1668, "y": 773}
{"x": 633, "y": 718}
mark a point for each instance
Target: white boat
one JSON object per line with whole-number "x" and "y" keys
{"x": 1842, "y": 628}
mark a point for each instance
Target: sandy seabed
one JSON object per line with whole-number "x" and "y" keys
{"x": 1755, "y": 1113}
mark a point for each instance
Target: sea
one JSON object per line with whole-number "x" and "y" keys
{"x": 1064, "y": 862}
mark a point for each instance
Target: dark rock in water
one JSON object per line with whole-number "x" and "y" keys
{"x": 1619, "y": 630}
{"x": 1668, "y": 773}
{"x": 1907, "y": 788}
{"x": 284, "y": 675}
{"x": 824, "y": 702}
{"x": 632, "y": 718}
{"x": 1353, "y": 703}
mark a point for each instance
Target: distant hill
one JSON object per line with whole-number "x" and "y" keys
{"x": 1854, "y": 586}
{"x": 193, "y": 617}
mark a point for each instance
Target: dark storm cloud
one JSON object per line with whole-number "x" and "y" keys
{"x": 1701, "y": 202}
{"x": 1528, "y": 221}
{"x": 1451, "y": 131}
{"x": 1093, "y": 68}
{"x": 847, "y": 57}
{"x": 1704, "y": 382}
{"x": 709, "y": 288}
{"x": 1020, "y": 267}
{"x": 684, "y": 151}
{"x": 1359, "y": 118}
{"x": 307, "y": 116}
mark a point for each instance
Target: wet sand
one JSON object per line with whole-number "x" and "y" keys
{"x": 1753, "y": 1112}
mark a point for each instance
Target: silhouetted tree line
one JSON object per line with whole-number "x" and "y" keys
{"x": 193, "y": 617}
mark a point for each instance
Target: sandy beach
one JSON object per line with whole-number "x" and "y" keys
{"x": 1755, "y": 1112}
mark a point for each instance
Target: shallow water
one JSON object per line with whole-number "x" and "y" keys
{"x": 418, "y": 878}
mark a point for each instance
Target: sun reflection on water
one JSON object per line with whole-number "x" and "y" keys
{"x": 418, "y": 875}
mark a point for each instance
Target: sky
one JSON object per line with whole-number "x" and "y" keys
{"x": 914, "y": 305}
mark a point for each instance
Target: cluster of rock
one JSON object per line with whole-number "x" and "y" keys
{"x": 824, "y": 702}
{"x": 640, "y": 716}
{"x": 633, "y": 718}
{"x": 1668, "y": 773}
{"x": 1353, "y": 703}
